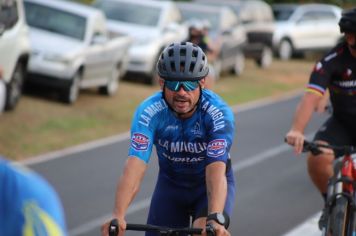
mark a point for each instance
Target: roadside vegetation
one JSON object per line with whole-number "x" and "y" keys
{"x": 41, "y": 124}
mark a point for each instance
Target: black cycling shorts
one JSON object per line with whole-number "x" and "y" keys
{"x": 336, "y": 133}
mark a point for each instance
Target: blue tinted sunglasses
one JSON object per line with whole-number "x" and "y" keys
{"x": 187, "y": 85}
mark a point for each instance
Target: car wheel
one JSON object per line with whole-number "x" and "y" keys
{"x": 285, "y": 50}
{"x": 113, "y": 84}
{"x": 266, "y": 57}
{"x": 70, "y": 94}
{"x": 239, "y": 65}
{"x": 14, "y": 88}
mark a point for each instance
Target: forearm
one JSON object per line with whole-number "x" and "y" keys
{"x": 216, "y": 186}
{"x": 304, "y": 111}
{"x": 128, "y": 185}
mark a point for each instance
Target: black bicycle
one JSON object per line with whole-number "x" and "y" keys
{"x": 340, "y": 209}
{"x": 163, "y": 231}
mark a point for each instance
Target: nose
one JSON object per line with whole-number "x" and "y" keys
{"x": 181, "y": 90}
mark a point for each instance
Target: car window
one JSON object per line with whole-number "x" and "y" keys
{"x": 282, "y": 14}
{"x": 55, "y": 20}
{"x": 8, "y": 13}
{"x": 212, "y": 17}
{"x": 308, "y": 16}
{"x": 326, "y": 16}
{"x": 130, "y": 12}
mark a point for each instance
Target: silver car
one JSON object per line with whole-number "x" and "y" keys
{"x": 306, "y": 27}
{"x": 152, "y": 24}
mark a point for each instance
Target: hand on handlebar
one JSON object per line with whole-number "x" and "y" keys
{"x": 215, "y": 229}
{"x": 113, "y": 227}
{"x": 295, "y": 139}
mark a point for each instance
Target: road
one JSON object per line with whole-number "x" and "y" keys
{"x": 274, "y": 193}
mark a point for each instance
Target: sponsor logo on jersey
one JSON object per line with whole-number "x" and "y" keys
{"x": 347, "y": 74}
{"x": 140, "y": 142}
{"x": 184, "y": 159}
{"x": 331, "y": 56}
{"x": 216, "y": 115}
{"x": 196, "y": 130}
{"x": 150, "y": 111}
{"x": 216, "y": 148}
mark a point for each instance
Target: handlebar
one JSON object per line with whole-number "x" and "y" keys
{"x": 114, "y": 229}
{"x": 314, "y": 148}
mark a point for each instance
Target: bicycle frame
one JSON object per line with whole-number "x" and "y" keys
{"x": 341, "y": 198}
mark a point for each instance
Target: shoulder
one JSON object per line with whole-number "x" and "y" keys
{"x": 212, "y": 104}
{"x": 336, "y": 53}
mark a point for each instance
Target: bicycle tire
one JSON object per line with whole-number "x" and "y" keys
{"x": 339, "y": 217}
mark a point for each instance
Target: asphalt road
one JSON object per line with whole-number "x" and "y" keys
{"x": 274, "y": 193}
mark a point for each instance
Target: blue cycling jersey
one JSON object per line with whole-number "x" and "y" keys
{"x": 28, "y": 204}
{"x": 184, "y": 146}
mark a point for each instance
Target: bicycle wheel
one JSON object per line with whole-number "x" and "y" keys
{"x": 339, "y": 217}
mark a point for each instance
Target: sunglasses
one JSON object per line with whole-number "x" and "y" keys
{"x": 176, "y": 85}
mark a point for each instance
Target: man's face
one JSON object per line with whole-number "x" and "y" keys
{"x": 181, "y": 101}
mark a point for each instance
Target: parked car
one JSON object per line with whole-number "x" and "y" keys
{"x": 306, "y": 27}
{"x": 153, "y": 25}
{"x": 72, "y": 49}
{"x": 257, "y": 18}
{"x": 15, "y": 49}
{"x": 2, "y": 92}
{"x": 225, "y": 29}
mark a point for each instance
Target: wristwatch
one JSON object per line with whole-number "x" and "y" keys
{"x": 217, "y": 217}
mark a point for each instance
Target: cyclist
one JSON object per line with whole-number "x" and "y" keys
{"x": 29, "y": 206}
{"x": 199, "y": 35}
{"x": 192, "y": 130}
{"x": 337, "y": 73}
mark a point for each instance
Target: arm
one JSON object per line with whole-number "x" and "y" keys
{"x": 127, "y": 189}
{"x": 302, "y": 116}
{"x": 216, "y": 186}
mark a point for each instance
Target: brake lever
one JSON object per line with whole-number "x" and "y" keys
{"x": 210, "y": 231}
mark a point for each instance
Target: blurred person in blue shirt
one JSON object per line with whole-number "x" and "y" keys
{"x": 29, "y": 206}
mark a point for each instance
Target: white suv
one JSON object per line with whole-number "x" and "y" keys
{"x": 14, "y": 48}
{"x": 306, "y": 27}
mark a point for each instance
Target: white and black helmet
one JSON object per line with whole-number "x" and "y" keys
{"x": 182, "y": 62}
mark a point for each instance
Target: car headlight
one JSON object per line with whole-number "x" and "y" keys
{"x": 57, "y": 58}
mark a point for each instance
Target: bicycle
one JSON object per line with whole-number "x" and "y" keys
{"x": 163, "y": 231}
{"x": 340, "y": 208}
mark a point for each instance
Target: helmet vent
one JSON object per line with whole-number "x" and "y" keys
{"x": 191, "y": 67}
{"x": 183, "y": 52}
{"x": 170, "y": 52}
{"x": 173, "y": 66}
{"x": 195, "y": 53}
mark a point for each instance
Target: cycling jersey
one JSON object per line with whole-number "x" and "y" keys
{"x": 28, "y": 204}
{"x": 337, "y": 72}
{"x": 184, "y": 147}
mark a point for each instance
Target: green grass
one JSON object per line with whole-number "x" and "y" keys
{"x": 41, "y": 124}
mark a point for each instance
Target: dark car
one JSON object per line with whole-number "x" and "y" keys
{"x": 257, "y": 18}
{"x": 224, "y": 30}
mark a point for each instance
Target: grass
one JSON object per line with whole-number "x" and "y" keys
{"x": 41, "y": 124}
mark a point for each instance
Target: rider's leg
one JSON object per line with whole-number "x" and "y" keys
{"x": 320, "y": 169}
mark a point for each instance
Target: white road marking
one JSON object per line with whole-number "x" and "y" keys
{"x": 307, "y": 228}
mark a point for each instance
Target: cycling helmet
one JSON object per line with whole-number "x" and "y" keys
{"x": 347, "y": 22}
{"x": 182, "y": 62}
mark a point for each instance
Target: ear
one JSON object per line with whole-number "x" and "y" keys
{"x": 202, "y": 82}
{"x": 161, "y": 82}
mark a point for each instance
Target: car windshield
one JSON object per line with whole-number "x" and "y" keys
{"x": 130, "y": 12}
{"x": 212, "y": 17}
{"x": 282, "y": 13}
{"x": 55, "y": 20}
